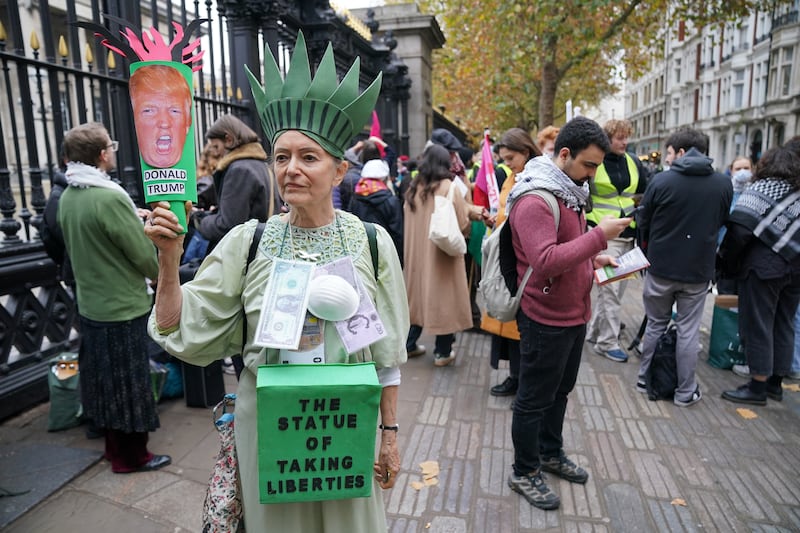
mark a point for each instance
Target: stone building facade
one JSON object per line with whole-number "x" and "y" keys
{"x": 740, "y": 84}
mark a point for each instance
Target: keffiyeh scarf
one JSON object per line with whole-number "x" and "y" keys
{"x": 770, "y": 208}
{"x": 541, "y": 173}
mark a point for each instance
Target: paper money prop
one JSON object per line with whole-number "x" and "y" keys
{"x": 283, "y": 310}
{"x": 288, "y": 296}
{"x": 163, "y": 115}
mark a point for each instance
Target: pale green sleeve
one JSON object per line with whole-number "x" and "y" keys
{"x": 211, "y": 315}
{"x": 391, "y": 302}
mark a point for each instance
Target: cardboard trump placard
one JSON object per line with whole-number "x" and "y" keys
{"x": 316, "y": 431}
{"x": 163, "y": 112}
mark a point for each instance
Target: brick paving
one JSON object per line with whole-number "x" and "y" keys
{"x": 653, "y": 466}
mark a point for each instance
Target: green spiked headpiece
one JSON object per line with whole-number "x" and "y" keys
{"x": 329, "y": 112}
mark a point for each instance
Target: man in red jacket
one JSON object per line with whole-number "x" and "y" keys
{"x": 555, "y": 303}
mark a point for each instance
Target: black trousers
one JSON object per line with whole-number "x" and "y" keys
{"x": 766, "y": 322}
{"x": 549, "y": 360}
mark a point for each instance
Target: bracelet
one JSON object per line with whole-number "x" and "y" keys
{"x": 394, "y": 428}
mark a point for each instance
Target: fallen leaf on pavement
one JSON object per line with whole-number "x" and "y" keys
{"x": 430, "y": 471}
{"x": 794, "y": 387}
{"x": 678, "y": 501}
{"x": 747, "y": 414}
{"x": 430, "y": 468}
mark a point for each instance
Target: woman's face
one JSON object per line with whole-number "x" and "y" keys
{"x": 741, "y": 164}
{"x": 305, "y": 172}
{"x": 515, "y": 160}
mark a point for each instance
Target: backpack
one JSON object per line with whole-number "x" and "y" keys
{"x": 498, "y": 285}
{"x": 49, "y": 232}
{"x": 662, "y": 374}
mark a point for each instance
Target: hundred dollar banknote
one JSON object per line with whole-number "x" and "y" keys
{"x": 283, "y": 310}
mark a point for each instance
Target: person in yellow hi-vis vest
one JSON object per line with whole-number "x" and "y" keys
{"x": 617, "y": 185}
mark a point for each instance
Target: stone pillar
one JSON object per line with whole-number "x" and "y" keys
{"x": 245, "y": 19}
{"x": 417, "y": 35}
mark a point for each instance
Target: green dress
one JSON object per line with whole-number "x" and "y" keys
{"x": 211, "y": 328}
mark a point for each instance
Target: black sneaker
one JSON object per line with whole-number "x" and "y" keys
{"x": 566, "y": 469}
{"x": 641, "y": 386}
{"x": 535, "y": 490}
{"x": 506, "y": 388}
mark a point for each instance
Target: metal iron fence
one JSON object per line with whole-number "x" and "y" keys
{"x": 56, "y": 75}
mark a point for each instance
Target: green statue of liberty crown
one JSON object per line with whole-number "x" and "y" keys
{"x": 329, "y": 112}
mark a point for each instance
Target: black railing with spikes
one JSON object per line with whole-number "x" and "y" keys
{"x": 69, "y": 78}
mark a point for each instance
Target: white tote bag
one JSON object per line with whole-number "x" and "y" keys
{"x": 443, "y": 229}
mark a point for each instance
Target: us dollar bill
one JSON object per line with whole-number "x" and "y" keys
{"x": 283, "y": 310}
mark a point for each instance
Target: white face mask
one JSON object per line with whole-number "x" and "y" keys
{"x": 742, "y": 176}
{"x": 332, "y": 298}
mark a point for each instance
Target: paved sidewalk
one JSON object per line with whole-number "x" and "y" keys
{"x": 653, "y": 466}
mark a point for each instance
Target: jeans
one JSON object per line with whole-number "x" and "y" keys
{"x": 444, "y": 343}
{"x": 549, "y": 360}
{"x": 796, "y": 359}
{"x": 198, "y": 245}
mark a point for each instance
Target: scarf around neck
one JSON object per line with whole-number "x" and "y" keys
{"x": 542, "y": 173}
{"x": 84, "y": 176}
{"x": 367, "y": 186}
{"x": 770, "y": 208}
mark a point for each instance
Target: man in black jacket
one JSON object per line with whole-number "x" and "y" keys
{"x": 682, "y": 211}
{"x": 50, "y": 232}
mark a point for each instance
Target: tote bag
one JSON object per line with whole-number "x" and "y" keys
{"x": 443, "y": 229}
{"x": 724, "y": 346}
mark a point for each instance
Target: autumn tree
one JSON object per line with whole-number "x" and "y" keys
{"x": 515, "y": 62}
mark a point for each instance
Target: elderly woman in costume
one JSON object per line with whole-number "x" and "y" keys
{"x": 200, "y": 321}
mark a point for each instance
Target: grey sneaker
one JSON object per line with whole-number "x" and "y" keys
{"x": 641, "y": 386}
{"x": 566, "y": 469}
{"x": 535, "y": 490}
{"x": 693, "y": 399}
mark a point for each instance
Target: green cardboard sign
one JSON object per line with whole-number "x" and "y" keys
{"x": 316, "y": 431}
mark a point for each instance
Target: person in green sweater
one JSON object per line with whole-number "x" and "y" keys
{"x": 111, "y": 260}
